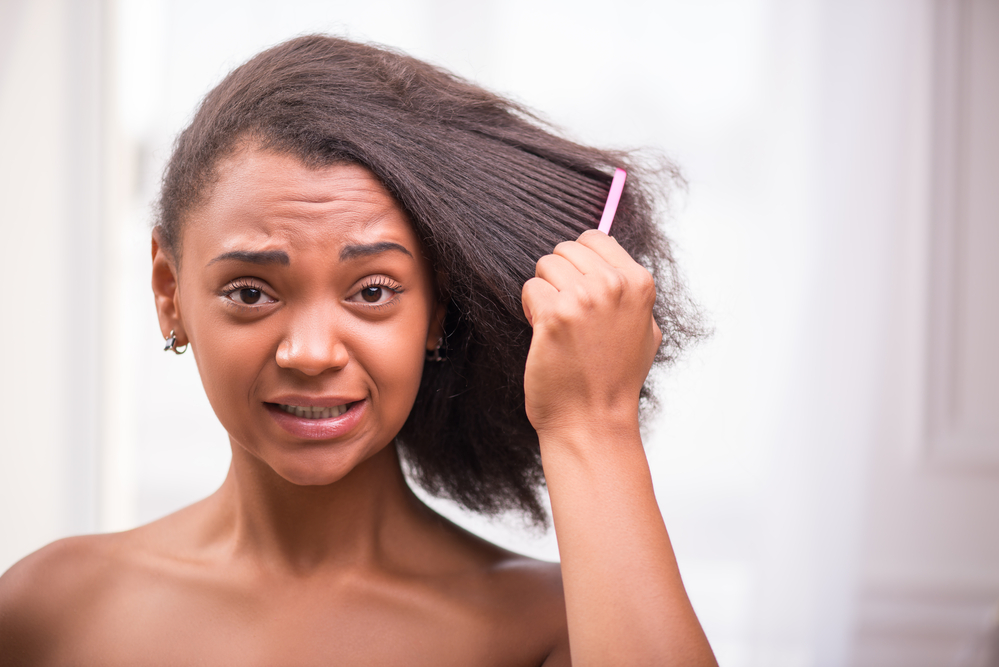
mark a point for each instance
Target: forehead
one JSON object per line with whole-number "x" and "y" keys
{"x": 263, "y": 198}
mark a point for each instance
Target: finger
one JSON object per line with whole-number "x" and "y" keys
{"x": 534, "y": 294}
{"x": 611, "y": 252}
{"x": 558, "y": 271}
{"x": 607, "y": 248}
{"x": 586, "y": 260}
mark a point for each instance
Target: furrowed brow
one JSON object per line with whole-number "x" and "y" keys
{"x": 254, "y": 257}
{"x": 363, "y": 250}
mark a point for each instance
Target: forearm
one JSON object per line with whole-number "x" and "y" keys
{"x": 625, "y": 601}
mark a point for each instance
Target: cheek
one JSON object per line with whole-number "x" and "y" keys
{"x": 229, "y": 361}
{"x": 394, "y": 361}
{"x": 393, "y": 358}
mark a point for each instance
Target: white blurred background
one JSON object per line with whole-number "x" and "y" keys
{"x": 827, "y": 462}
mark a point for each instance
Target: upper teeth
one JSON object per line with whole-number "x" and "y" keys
{"x": 314, "y": 412}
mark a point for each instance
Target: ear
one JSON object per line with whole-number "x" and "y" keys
{"x": 165, "y": 292}
{"x": 436, "y": 330}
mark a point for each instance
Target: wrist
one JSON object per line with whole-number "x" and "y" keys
{"x": 590, "y": 434}
{"x": 570, "y": 418}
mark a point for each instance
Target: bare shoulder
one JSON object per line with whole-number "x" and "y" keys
{"x": 44, "y": 593}
{"x": 506, "y": 601}
{"x": 527, "y": 584}
{"x": 534, "y": 602}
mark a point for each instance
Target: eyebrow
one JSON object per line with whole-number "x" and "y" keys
{"x": 363, "y": 250}
{"x": 254, "y": 257}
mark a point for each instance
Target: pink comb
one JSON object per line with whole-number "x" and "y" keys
{"x": 613, "y": 197}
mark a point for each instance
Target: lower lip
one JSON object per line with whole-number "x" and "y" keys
{"x": 318, "y": 429}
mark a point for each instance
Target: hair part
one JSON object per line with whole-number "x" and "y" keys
{"x": 489, "y": 189}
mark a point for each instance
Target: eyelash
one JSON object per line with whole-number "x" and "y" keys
{"x": 374, "y": 281}
{"x": 383, "y": 282}
{"x": 241, "y": 284}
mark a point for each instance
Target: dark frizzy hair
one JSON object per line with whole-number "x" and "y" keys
{"x": 489, "y": 189}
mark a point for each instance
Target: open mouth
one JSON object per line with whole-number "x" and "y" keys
{"x": 313, "y": 411}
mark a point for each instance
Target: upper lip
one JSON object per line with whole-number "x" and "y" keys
{"x": 312, "y": 401}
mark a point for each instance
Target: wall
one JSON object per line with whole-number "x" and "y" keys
{"x": 930, "y": 582}
{"x": 820, "y": 512}
{"x": 50, "y": 190}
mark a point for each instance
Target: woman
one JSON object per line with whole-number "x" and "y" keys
{"x": 349, "y": 241}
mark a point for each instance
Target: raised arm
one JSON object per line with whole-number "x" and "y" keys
{"x": 594, "y": 341}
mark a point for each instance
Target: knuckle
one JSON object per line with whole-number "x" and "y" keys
{"x": 645, "y": 284}
{"x": 563, "y": 247}
{"x": 562, "y": 318}
{"x": 585, "y": 298}
{"x": 645, "y": 279}
{"x": 616, "y": 284}
{"x": 544, "y": 262}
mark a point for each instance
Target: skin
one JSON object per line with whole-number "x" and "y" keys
{"x": 308, "y": 287}
{"x": 594, "y": 342}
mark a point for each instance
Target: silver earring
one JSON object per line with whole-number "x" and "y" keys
{"x": 171, "y": 344}
{"x": 435, "y": 354}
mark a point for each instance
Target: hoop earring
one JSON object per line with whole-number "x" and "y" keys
{"x": 435, "y": 354}
{"x": 171, "y": 344}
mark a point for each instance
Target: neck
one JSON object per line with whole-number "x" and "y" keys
{"x": 358, "y": 520}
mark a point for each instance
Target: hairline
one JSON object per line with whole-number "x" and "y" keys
{"x": 251, "y": 139}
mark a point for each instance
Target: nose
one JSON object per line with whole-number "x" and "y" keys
{"x": 312, "y": 344}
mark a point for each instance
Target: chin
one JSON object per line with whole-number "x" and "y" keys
{"x": 305, "y": 474}
{"x": 311, "y": 477}
{"x": 319, "y": 468}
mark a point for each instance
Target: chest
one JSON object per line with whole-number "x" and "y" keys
{"x": 333, "y": 625}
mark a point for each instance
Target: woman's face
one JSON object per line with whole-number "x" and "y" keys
{"x": 309, "y": 307}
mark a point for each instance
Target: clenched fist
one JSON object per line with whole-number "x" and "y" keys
{"x": 594, "y": 336}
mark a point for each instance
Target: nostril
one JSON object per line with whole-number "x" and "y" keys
{"x": 312, "y": 357}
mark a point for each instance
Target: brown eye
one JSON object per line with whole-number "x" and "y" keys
{"x": 249, "y": 295}
{"x": 379, "y": 291}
